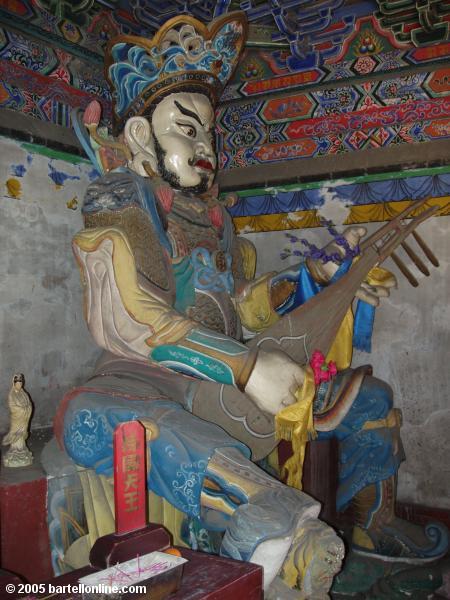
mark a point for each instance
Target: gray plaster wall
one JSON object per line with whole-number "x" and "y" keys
{"x": 411, "y": 351}
{"x": 42, "y": 331}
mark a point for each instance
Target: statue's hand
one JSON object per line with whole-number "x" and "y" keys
{"x": 372, "y": 293}
{"x": 274, "y": 381}
{"x": 325, "y": 271}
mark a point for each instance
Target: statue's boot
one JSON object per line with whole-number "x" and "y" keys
{"x": 276, "y": 526}
{"x": 380, "y": 533}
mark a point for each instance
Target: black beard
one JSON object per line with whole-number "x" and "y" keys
{"x": 173, "y": 179}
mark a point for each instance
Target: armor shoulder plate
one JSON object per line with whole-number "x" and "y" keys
{"x": 126, "y": 200}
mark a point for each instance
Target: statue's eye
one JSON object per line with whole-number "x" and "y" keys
{"x": 188, "y": 130}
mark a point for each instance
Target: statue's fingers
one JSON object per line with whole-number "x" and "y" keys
{"x": 354, "y": 234}
{"x": 288, "y": 400}
{"x": 293, "y": 389}
{"x": 366, "y": 296}
{"x": 361, "y": 231}
{"x": 381, "y": 291}
{"x": 376, "y": 290}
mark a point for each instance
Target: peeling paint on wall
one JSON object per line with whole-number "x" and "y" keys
{"x": 18, "y": 170}
{"x": 333, "y": 208}
{"x": 13, "y": 187}
{"x": 72, "y": 203}
{"x": 59, "y": 177}
{"x": 42, "y": 330}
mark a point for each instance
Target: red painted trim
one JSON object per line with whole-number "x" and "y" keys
{"x": 418, "y": 513}
{"x": 39, "y": 84}
{"x": 281, "y": 82}
{"x": 371, "y": 118}
{"x": 430, "y": 52}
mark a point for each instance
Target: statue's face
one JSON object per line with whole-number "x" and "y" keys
{"x": 183, "y": 137}
{"x": 18, "y": 381}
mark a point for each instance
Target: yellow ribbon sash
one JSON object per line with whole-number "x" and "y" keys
{"x": 295, "y": 424}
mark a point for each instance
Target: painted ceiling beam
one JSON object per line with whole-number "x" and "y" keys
{"x": 374, "y": 160}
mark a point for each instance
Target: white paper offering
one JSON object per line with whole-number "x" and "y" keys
{"x": 126, "y": 574}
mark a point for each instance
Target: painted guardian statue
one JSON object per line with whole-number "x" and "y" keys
{"x": 169, "y": 290}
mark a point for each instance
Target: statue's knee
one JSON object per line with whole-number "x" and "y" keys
{"x": 87, "y": 437}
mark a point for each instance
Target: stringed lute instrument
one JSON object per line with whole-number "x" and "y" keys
{"x": 315, "y": 324}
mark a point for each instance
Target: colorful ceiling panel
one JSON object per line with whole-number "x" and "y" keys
{"x": 318, "y": 77}
{"x": 309, "y": 33}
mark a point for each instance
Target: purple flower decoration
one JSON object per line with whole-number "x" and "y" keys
{"x": 312, "y": 251}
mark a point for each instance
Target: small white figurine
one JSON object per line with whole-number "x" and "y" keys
{"x": 20, "y": 409}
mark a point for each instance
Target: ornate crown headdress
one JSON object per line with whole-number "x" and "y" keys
{"x": 184, "y": 53}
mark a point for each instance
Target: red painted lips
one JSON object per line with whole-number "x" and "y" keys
{"x": 204, "y": 164}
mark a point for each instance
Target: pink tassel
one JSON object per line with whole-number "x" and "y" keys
{"x": 322, "y": 371}
{"x": 165, "y": 195}
{"x": 92, "y": 113}
{"x": 216, "y": 216}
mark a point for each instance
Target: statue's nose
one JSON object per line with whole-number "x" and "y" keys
{"x": 204, "y": 147}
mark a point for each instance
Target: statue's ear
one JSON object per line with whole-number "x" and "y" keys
{"x": 139, "y": 139}
{"x": 138, "y": 134}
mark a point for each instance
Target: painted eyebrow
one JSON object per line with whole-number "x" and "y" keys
{"x": 188, "y": 113}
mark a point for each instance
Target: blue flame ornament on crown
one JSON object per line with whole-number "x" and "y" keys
{"x": 183, "y": 54}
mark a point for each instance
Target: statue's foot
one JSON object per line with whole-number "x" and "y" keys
{"x": 314, "y": 559}
{"x": 397, "y": 540}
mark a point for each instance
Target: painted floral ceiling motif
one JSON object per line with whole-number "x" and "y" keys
{"x": 310, "y": 32}
{"x": 318, "y": 78}
{"x": 304, "y": 88}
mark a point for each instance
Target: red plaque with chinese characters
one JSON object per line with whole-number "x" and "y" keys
{"x": 129, "y": 477}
